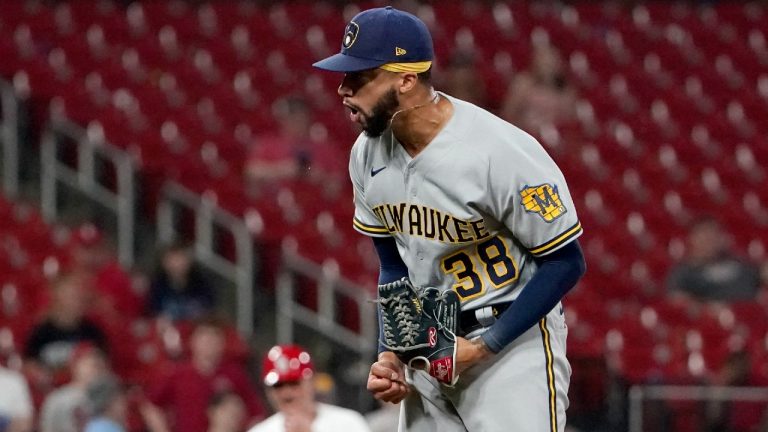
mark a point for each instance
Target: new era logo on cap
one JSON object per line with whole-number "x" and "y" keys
{"x": 379, "y": 36}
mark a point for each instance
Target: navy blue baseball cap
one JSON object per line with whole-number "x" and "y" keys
{"x": 381, "y": 36}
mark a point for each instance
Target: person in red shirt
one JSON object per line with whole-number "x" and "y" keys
{"x": 113, "y": 287}
{"x": 184, "y": 393}
{"x": 293, "y": 151}
{"x": 542, "y": 95}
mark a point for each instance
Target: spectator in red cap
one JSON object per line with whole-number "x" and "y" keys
{"x": 64, "y": 410}
{"x": 288, "y": 373}
{"x": 181, "y": 397}
{"x": 114, "y": 290}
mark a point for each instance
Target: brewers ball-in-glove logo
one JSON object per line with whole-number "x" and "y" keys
{"x": 350, "y": 34}
{"x": 543, "y": 200}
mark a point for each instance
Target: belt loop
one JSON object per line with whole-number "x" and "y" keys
{"x": 485, "y": 316}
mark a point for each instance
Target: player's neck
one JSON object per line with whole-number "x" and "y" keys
{"x": 418, "y": 124}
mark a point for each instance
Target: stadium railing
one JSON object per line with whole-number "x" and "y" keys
{"x": 208, "y": 218}
{"x": 328, "y": 318}
{"x": 84, "y": 175}
{"x": 9, "y": 135}
{"x": 671, "y": 394}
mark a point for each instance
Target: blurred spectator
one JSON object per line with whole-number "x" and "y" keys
{"x": 16, "y": 410}
{"x": 288, "y": 373}
{"x": 226, "y": 412}
{"x": 185, "y": 392}
{"x": 64, "y": 409}
{"x": 729, "y": 415}
{"x": 179, "y": 290}
{"x": 107, "y": 405}
{"x": 114, "y": 291}
{"x": 540, "y": 96}
{"x": 293, "y": 151}
{"x": 52, "y": 341}
{"x": 463, "y": 80}
{"x": 712, "y": 272}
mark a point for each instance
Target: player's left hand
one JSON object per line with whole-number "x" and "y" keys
{"x": 386, "y": 379}
{"x": 469, "y": 352}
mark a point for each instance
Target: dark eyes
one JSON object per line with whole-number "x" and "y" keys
{"x": 359, "y": 79}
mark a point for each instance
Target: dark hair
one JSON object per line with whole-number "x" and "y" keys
{"x": 462, "y": 59}
{"x": 290, "y": 105}
{"x": 704, "y": 220}
{"x": 73, "y": 277}
{"x": 213, "y": 321}
{"x": 425, "y": 77}
{"x": 179, "y": 245}
{"x": 220, "y": 396}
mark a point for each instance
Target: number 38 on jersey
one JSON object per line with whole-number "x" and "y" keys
{"x": 482, "y": 264}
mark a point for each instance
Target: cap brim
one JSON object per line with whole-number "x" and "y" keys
{"x": 346, "y": 63}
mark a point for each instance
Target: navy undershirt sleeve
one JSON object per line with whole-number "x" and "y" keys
{"x": 557, "y": 273}
{"x": 392, "y": 268}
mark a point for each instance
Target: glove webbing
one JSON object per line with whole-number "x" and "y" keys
{"x": 406, "y": 320}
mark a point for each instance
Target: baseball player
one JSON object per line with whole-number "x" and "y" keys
{"x": 457, "y": 199}
{"x": 287, "y": 374}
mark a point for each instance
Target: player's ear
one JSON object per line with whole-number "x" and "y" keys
{"x": 408, "y": 81}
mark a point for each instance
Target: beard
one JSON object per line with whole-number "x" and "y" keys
{"x": 381, "y": 114}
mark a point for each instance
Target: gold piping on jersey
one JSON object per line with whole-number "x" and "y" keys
{"x": 570, "y": 233}
{"x": 369, "y": 229}
{"x": 422, "y": 221}
{"x": 550, "y": 374}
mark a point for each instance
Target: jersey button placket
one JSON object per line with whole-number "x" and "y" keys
{"x": 411, "y": 182}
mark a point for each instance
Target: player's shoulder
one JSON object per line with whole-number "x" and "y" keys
{"x": 367, "y": 149}
{"x": 363, "y": 145}
{"x": 485, "y": 130}
{"x": 478, "y": 124}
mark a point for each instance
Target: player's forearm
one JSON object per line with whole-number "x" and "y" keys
{"x": 556, "y": 275}
{"x": 391, "y": 265}
{"x": 392, "y": 268}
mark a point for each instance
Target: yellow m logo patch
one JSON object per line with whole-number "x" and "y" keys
{"x": 543, "y": 200}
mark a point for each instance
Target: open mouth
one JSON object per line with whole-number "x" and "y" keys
{"x": 354, "y": 114}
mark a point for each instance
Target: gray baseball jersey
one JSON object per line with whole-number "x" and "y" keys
{"x": 471, "y": 210}
{"x": 469, "y": 213}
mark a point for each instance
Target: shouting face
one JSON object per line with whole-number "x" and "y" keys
{"x": 371, "y": 98}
